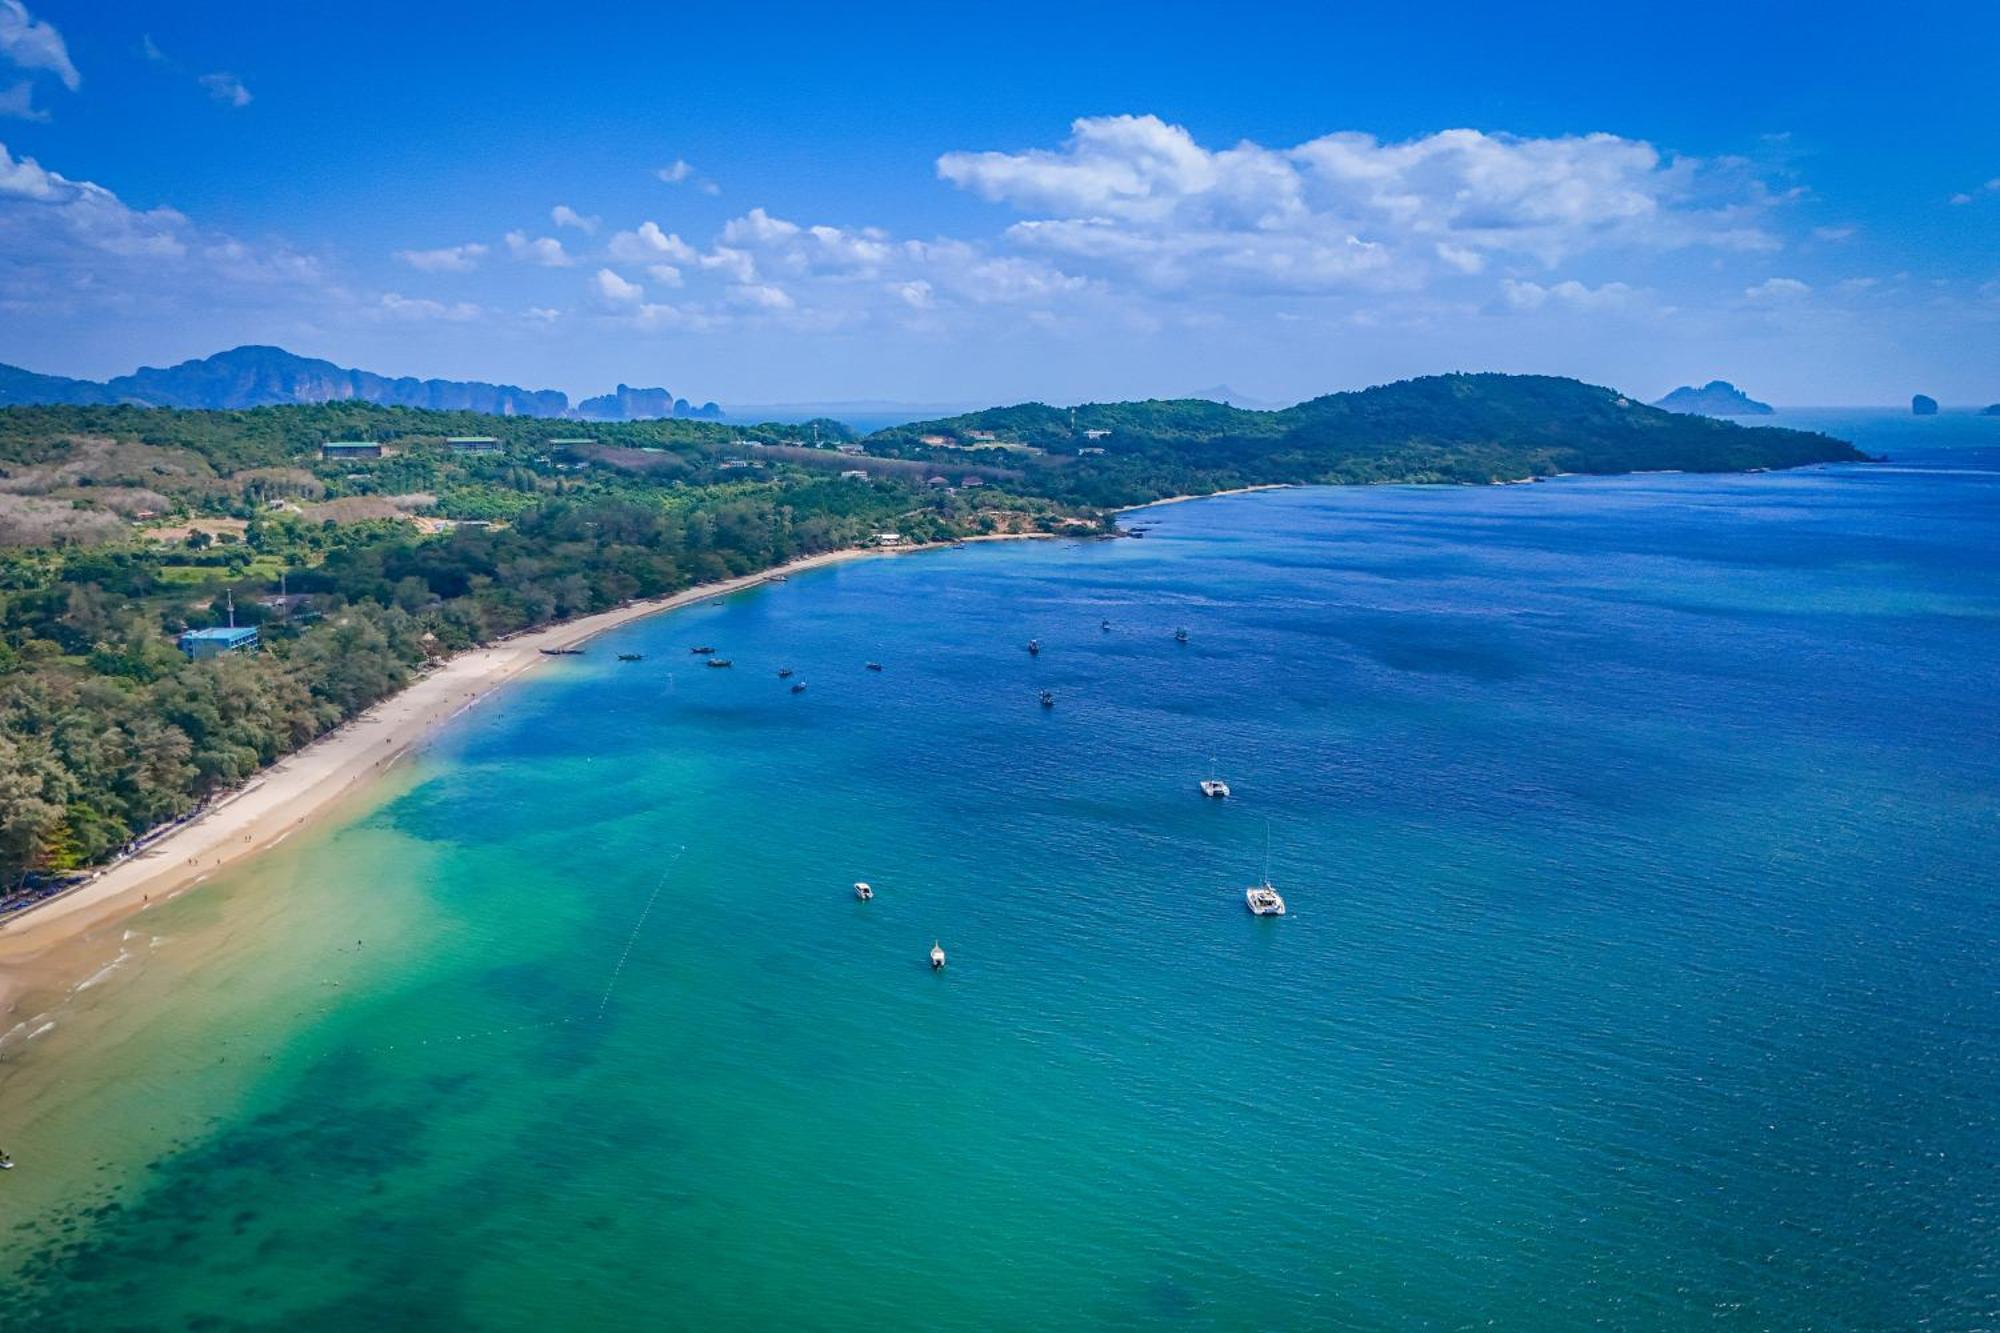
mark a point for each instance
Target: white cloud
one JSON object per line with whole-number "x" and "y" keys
{"x": 1570, "y": 295}
{"x": 648, "y": 243}
{"x": 398, "y": 306}
{"x": 1460, "y": 258}
{"x": 444, "y": 259}
{"x": 221, "y": 86}
{"x": 71, "y": 245}
{"x": 681, "y": 172}
{"x": 544, "y": 250}
{"x": 758, "y": 228}
{"x": 777, "y": 244}
{"x": 655, "y": 316}
{"x": 615, "y": 290}
{"x": 761, "y": 296}
{"x": 738, "y": 264}
{"x": 915, "y": 293}
{"x": 31, "y": 44}
{"x": 1834, "y": 234}
{"x": 565, "y": 216}
{"x": 1139, "y": 197}
{"x": 1015, "y": 281}
{"x": 226, "y": 89}
{"x": 18, "y": 102}
{"x": 1776, "y": 290}
{"x": 665, "y": 274}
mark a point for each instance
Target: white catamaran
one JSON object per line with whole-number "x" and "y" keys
{"x": 1262, "y": 898}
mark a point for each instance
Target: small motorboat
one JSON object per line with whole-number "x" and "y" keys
{"x": 958, "y": 546}
{"x": 781, "y": 578}
{"x": 874, "y": 666}
{"x": 798, "y": 687}
{"x": 1034, "y": 647}
{"x": 6, "y": 1162}
{"x": 1048, "y": 699}
{"x": 862, "y": 891}
{"x": 784, "y": 672}
{"x": 720, "y": 662}
{"x": 937, "y": 956}
{"x": 1180, "y": 636}
{"x": 717, "y": 602}
{"x": 702, "y": 651}
{"x": 1104, "y": 625}
{"x": 631, "y": 657}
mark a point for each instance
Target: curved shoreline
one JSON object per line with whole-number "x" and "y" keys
{"x": 308, "y": 783}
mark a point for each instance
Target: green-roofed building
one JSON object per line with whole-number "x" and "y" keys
{"x": 350, "y": 449}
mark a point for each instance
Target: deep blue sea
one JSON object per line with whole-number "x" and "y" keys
{"x": 1641, "y": 839}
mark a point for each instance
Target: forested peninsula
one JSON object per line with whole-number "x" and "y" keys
{"x": 364, "y": 542}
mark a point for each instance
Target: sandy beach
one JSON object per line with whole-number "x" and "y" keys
{"x": 285, "y": 797}
{"x": 1209, "y": 495}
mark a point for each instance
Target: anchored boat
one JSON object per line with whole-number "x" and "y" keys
{"x": 862, "y": 891}
{"x": 937, "y": 956}
{"x": 1263, "y": 898}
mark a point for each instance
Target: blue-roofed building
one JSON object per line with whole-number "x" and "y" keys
{"x": 200, "y": 643}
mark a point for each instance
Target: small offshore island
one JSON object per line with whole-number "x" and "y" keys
{"x": 1717, "y": 398}
{"x": 365, "y": 544}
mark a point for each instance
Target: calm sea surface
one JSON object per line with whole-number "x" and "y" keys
{"x": 1642, "y": 847}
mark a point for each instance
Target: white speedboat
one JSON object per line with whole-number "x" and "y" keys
{"x": 862, "y": 891}
{"x": 937, "y": 956}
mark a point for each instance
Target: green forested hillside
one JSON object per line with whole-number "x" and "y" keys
{"x": 1443, "y": 428}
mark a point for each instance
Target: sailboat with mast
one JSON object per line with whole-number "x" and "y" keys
{"x": 1263, "y": 898}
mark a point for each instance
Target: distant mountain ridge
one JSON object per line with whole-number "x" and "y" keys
{"x": 1717, "y": 398}
{"x": 254, "y": 376}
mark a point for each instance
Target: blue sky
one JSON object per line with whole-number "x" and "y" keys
{"x": 1043, "y": 201}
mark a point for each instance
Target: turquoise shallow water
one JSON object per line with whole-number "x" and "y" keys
{"x": 1639, "y": 836}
